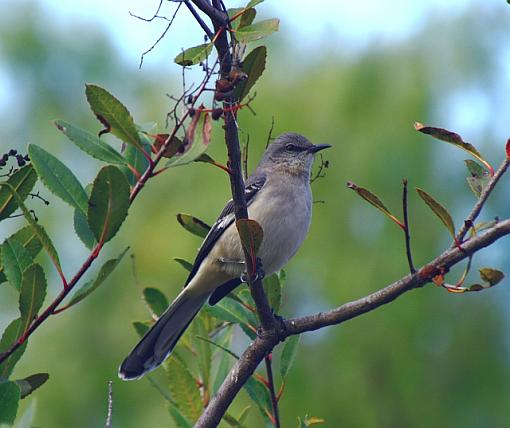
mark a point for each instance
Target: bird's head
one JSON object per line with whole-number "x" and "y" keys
{"x": 292, "y": 153}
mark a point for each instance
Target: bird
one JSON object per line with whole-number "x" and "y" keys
{"x": 279, "y": 199}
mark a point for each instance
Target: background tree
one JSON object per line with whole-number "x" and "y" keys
{"x": 363, "y": 98}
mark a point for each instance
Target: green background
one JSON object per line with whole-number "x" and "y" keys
{"x": 428, "y": 359}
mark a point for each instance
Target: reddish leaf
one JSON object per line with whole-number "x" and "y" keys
{"x": 508, "y": 149}
{"x": 438, "y": 210}
{"x": 452, "y": 138}
{"x": 374, "y": 200}
{"x": 172, "y": 148}
{"x": 251, "y": 235}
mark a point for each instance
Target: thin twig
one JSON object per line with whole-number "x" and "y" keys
{"x": 470, "y": 220}
{"x": 245, "y": 157}
{"x": 270, "y": 134}
{"x": 272, "y": 392}
{"x": 407, "y": 232}
{"x": 153, "y": 16}
{"x": 161, "y": 36}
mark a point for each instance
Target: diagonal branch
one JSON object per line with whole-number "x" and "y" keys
{"x": 468, "y": 223}
{"x": 265, "y": 342}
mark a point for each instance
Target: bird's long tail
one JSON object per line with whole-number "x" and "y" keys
{"x": 160, "y": 340}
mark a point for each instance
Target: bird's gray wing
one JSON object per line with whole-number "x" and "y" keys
{"x": 225, "y": 219}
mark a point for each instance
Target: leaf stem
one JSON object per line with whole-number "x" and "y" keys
{"x": 406, "y": 230}
{"x": 274, "y": 400}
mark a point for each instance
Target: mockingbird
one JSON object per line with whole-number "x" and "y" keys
{"x": 279, "y": 198}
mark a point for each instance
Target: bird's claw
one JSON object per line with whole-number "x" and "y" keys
{"x": 259, "y": 273}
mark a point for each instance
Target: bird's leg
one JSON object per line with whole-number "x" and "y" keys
{"x": 259, "y": 272}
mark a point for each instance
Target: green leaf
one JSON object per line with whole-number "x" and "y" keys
{"x": 193, "y": 225}
{"x": 90, "y": 144}
{"x": 32, "y": 294}
{"x": 195, "y": 143}
{"x": 492, "y": 276}
{"x": 273, "y": 290}
{"x": 9, "y": 400}
{"x": 37, "y": 229}
{"x": 253, "y": 65}
{"x": 194, "y": 55}
{"x": 180, "y": 420}
{"x": 137, "y": 160}
{"x": 374, "y": 200}
{"x": 257, "y": 31}
{"x": 87, "y": 288}
{"x": 479, "y": 177}
{"x": 288, "y": 355}
{"x": 224, "y": 364}
{"x": 142, "y": 327}
{"x": 183, "y": 389}
{"x": 22, "y": 181}
{"x": 251, "y": 235}
{"x": 254, "y": 3}
{"x": 58, "y": 178}
{"x": 11, "y": 334}
{"x": 108, "y": 204}
{"x": 31, "y": 383}
{"x": 113, "y": 115}
{"x": 259, "y": 393}
{"x": 232, "y": 311}
{"x": 241, "y": 20}
{"x": 203, "y": 350}
{"x": 184, "y": 263}
{"x": 27, "y": 237}
{"x": 439, "y": 210}
{"x": 82, "y": 229}
{"x": 455, "y": 139}
{"x": 15, "y": 259}
{"x": 155, "y": 300}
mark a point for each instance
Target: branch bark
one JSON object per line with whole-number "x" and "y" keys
{"x": 256, "y": 352}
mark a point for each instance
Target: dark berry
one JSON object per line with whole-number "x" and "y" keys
{"x": 216, "y": 113}
{"x": 2, "y": 163}
{"x": 5, "y": 157}
{"x": 13, "y": 152}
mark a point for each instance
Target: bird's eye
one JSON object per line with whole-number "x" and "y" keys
{"x": 291, "y": 147}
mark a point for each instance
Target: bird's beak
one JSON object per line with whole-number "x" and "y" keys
{"x": 318, "y": 148}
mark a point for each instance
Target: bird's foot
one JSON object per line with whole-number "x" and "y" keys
{"x": 259, "y": 273}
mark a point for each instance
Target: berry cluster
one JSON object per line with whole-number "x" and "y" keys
{"x": 20, "y": 159}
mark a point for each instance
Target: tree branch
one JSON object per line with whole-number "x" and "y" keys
{"x": 263, "y": 344}
{"x": 468, "y": 223}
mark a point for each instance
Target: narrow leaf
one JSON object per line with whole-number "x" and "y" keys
{"x": 184, "y": 263}
{"x": 180, "y": 420}
{"x": 32, "y": 294}
{"x": 28, "y": 239}
{"x": 203, "y": 351}
{"x": 9, "y": 400}
{"x": 108, "y": 204}
{"x": 479, "y": 177}
{"x": 195, "y": 143}
{"x": 439, "y": 210}
{"x": 372, "y": 199}
{"x": 87, "y": 288}
{"x": 253, "y": 65}
{"x": 31, "y": 383}
{"x": 22, "y": 181}
{"x": 193, "y": 225}
{"x": 82, "y": 229}
{"x": 259, "y": 394}
{"x": 288, "y": 355}
{"x": 273, "y": 290}
{"x": 138, "y": 162}
{"x": 155, "y": 300}
{"x": 11, "y": 334}
{"x": 257, "y": 31}
{"x": 492, "y": 276}
{"x": 183, "y": 389}
{"x": 251, "y": 235}
{"x": 452, "y": 138}
{"x": 232, "y": 311}
{"x": 113, "y": 114}
{"x": 254, "y": 3}
{"x": 58, "y": 178}
{"x": 90, "y": 144}
{"x": 14, "y": 259}
{"x": 142, "y": 327}
{"x": 194, "y": 55}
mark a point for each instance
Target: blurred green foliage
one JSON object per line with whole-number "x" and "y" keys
{"x": 428, "y": 359}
